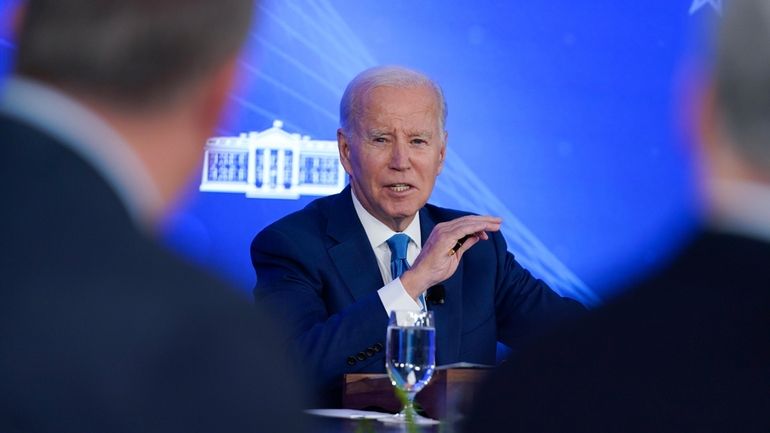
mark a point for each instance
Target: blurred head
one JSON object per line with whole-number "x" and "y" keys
{"x": 742, "y": 81}
{"x": 158, "y": 72}
{"x": 392, "y": 141}
{"x": 134, "y": 53}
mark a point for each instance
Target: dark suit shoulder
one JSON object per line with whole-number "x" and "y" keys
{"x": 714, "y": 275}
{"x": 442, "y": 214}
{"x": 12, "y": 127}
{"x": 95, "y": 314}
{"x": 686, "y": 337}
{"x": 714, "y": 254}
{"x": 711, "y": 267}
{"x": 314, "y": 216}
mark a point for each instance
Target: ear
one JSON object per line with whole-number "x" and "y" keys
{"x": 707, "y": 125}
{"x": 215, "y": 95}
{"x": 442, "y": 153}
{"x": 16, "y": 17}
{"x": 343, "y": 144}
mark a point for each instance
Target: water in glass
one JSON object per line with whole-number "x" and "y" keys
{"x": 410, "y": 357}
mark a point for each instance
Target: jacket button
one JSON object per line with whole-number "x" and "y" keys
{"x": 351, "y": 361}
{"x": 370, "y": 352}
{"x": 361, "y": 356}
{"x": 377, "y": 347}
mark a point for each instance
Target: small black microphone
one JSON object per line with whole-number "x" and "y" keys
{"x": 436, "y": 295}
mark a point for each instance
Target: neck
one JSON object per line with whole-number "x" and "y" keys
{"x": 398, "y": 225}
{"x": 167, "y": 142}
{"x": 725, "y": 167}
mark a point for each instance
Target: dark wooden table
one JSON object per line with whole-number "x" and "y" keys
{"x": 449, "y": 392}
{"x": 444, "y": 398}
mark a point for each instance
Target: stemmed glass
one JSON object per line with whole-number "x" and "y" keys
{"x": 410, "y": 358}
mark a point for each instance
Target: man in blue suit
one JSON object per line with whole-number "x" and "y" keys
{"x": 335, "y": 269}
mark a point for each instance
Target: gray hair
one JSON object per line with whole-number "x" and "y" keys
{"x": 134, "y": 52}
{"x": 385, "y": 76}
{"x": 742, "y": 81}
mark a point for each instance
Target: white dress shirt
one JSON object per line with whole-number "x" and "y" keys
{"x": 392, "y": 294}
{"x": 91, "y": 138}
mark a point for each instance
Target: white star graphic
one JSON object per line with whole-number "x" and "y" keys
{"x": 697, "y": 4}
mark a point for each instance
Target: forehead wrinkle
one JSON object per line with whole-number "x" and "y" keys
{"x": 374, "y": 116}
{"x": 392, "y": 120}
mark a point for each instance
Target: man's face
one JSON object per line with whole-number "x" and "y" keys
{"x": 394, "y": 152}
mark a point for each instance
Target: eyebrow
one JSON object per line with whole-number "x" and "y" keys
{"x": 377, "y": 133}
{"x": 382, "y": 132}
{"x": 421, "y": 134}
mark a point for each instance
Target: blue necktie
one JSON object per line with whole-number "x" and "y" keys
{"x": 398, "y": 263}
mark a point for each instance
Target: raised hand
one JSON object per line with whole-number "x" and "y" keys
{"x": 440, "y": 256}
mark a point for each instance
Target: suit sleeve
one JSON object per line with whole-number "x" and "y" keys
{"x": 525, "y": 306}
{"x": 293, "y": 285}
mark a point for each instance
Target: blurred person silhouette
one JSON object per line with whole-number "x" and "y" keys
{"x": 688, "y": 349}
{"x": 101, "y": 328}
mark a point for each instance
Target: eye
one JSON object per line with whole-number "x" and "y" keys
{"x": 419, "y": 142}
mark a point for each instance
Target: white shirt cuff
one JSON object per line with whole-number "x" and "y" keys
{"x": 394, "y": 297}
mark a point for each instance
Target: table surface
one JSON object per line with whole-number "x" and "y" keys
{"x": 321, "y": 424}
{"x": 446, "y": 397}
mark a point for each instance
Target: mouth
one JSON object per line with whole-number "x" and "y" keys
{"x": 400, "y": 187}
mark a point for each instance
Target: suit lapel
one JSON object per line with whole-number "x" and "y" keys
{"x": 448, "y": 316}
{"x": 355, "y": 261}
{"x": 352, "y": 254}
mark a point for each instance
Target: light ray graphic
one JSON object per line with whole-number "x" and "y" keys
{"x": 459, "y": 181}
{"x": 698, "y": 4}
{"x": 267, "y": 114}
{"x": 327, "y": 38}
{"x": 327, "y": 11}
{"x": 335, "y": 90}
{"x": 300, "y": 37}
{"x": 289, "y": 91}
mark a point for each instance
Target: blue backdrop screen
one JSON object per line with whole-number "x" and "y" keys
{"x": 563, "y": 119}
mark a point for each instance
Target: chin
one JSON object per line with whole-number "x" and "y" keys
{"x": 399, "y": 209}
{"x": 402, "y": 213}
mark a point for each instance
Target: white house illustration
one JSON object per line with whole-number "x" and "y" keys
{"x": 272, "y": 164}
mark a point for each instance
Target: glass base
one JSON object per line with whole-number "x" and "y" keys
{"x": 400, "y": 418}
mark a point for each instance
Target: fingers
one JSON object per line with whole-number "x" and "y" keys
{"x": 443, "y": 249}
{"x": 468, "y": 244}
{"x": 459, "y": 243}
{"x": 470, "y": 224}
{"x": 464, "y": 229}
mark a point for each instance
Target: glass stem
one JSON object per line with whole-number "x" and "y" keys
{"x": 409, "y": 409}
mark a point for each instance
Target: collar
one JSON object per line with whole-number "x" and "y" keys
{"x": 377, "y": 232}
{"x": 91, "y": 138}
{"x": 741, "y": 208}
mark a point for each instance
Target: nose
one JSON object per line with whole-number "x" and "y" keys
{"x": 399, "y": 156}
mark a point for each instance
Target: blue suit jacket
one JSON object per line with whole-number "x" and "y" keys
{"x": 317, "y": 270}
